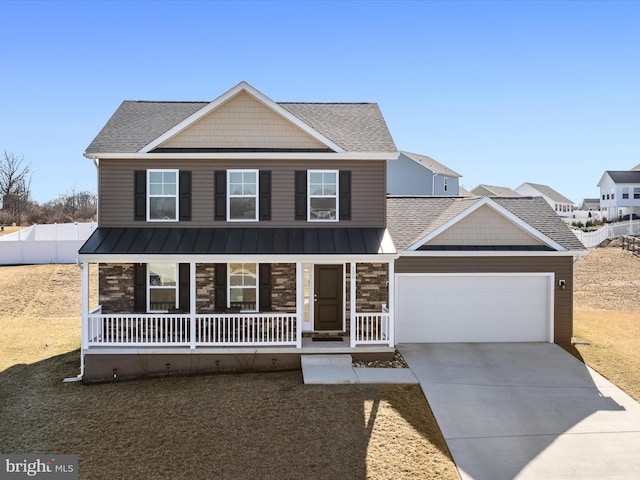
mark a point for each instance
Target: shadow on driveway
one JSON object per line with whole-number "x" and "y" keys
{"x": 527, "y": 410}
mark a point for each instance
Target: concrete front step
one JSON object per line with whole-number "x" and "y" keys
{"x": 338, "y": 369}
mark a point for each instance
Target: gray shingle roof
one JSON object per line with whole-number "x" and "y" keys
{"x": 624, "y": 176}
{"x": 547, "y": 191}
{"x": 356, "y": 127}
{"x": 431, "y": 164}
{"x": 411, "y": 218}
{"x": 494, "y": 191}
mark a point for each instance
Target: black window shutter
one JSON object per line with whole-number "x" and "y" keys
{"x": 140, "y": 195}
{"x": 220, "y": 197}
{"x": 345, "y": 195}
{"x": 265, "y": 287}
{"x": 140, "y": 287}
{"x": 265, "y": 195}
{"x": 184, "y": 284}
{"x": 220, "y": 287}
{"x": 185, "y": 196}
{"x": 301, "y": 194}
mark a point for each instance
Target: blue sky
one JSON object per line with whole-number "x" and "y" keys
{"x": 501, "y": 92}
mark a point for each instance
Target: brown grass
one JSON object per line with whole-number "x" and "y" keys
{"x": 268, "y": 426}
{"x": 607, "y": 315}
{"x": 8, "y": 229}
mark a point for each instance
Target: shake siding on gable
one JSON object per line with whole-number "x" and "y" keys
{"x": 116, "y": 180}
{"x": 561, "y": 266}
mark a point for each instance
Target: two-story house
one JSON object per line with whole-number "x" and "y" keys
{"x": 620, "y": 194}
{"x": 560, "y": 204}
{"x": 243, "y": 234}
{"x": 238, "y": 232}
{"x": 415, "y": 174}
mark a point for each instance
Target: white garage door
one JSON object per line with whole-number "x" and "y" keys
{"x": 473, "y": 308}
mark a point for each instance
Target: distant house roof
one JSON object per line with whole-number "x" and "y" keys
{"x": 624, "y": 176}
{"x": 355, "y": 127}
{"x": 548, "y": 192}
{"x": 494, "y": 191}
{"x": 410, "y": 219}
{"x": 590, "y": 204}
{"x": 431, "y": 164}
{"x": 463, "y": 192}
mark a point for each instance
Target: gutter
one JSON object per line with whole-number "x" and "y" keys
{"x": 79, "y": 377}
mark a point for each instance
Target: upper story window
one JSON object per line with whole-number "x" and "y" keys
{"x": 242, "y": 188}
{"x": 162, "y": 195}
{"x": 162, "y": 198}
{"x": 162, "y": 287}
{"x": 323, "y": 195}
{"x": 625, "y": 193}
{"x": 636, "y": 192}
{"x": 445, "y": 184}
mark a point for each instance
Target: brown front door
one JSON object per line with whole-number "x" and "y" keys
{"x": 328, "y": 297}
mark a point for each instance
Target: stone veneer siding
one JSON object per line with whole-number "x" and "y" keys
{"x": 115, "y": 287}
{"x": 205, "y": 287}
{"x": 283, "y": 287}
{"x": 371, "y": 286}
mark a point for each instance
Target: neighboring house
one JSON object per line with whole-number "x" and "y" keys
{"x": 559, "y": 203}
{"x": 482, "y": 269}
{"x": 463, "y": 192}
{"x": 414, "y": 174}
{"x": 590, "y": 205}
{"x": 243, "y": 233}
{"x": 227, "y": 229}
{"x": 494, "y": 191}
{"x": 620, "y": 194}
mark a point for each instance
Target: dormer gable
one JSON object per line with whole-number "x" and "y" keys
{"x": 242, "y": 119}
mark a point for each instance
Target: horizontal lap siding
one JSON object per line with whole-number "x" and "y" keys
{"x": 561, "y": 266}
{"x": 367, "y": 195}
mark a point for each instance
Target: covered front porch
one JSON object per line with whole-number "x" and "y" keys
{"x": 205, "y": 290}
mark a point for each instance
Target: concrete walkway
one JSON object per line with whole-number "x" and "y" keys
{"x": 527, "y": 411}
{"x": 336, "y": 369}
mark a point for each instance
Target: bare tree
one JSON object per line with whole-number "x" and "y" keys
{"x": 15, "y": 185}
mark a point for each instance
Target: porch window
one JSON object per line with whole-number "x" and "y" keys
{"x": 242, "y": 204}
{"x": 162, "y": 286}
{"x": 625, "y": 193}
{"x": 323, "y": 195}
{"x": 243, "y": 286}
{"x": 162, "y": 198}
{"x": 636, "y": 192}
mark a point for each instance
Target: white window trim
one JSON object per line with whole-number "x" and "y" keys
{"x": 445, "y": 184}
{"x": 256, "y": 196}
{"x": 336, "y": 196}
{"x": 177, "y": 195}
{"x": 257, "y": 286}
{"x": 168, "y": 287}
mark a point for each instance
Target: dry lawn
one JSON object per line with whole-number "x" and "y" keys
{"x": 607, "y": 315}
{"x": 240, "y": 426}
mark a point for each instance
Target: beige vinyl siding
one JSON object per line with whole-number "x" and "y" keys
{"x": 243, "y": 122}
{"x": 368, "y": 200}
{"x": 561, "y": 266}
{"x": 484, "y": 227}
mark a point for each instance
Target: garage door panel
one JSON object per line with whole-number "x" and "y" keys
{"x": 440, "y": 308}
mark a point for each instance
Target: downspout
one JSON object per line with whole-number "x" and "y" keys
{"x": 84, "y": 268}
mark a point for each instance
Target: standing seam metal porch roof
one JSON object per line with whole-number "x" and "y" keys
{"x": 235, "y": 241}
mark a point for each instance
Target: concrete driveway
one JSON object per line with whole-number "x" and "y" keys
{"x": 527, "y": 411}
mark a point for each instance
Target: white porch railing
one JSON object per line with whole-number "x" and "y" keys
{"x": 246, "y": 329}
{"x": 372, "y": 328}
{"x": 259, "y": 329}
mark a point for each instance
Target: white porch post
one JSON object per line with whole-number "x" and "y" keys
{"x": 192, "y": 305}
{"x": 352, "y": 305}
{"x": 299, "y": 303}
{"x": 391, "y": 292}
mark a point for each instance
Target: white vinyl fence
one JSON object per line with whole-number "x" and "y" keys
{"x": 57, "y": 243}
{"x": 610, "y": 230}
